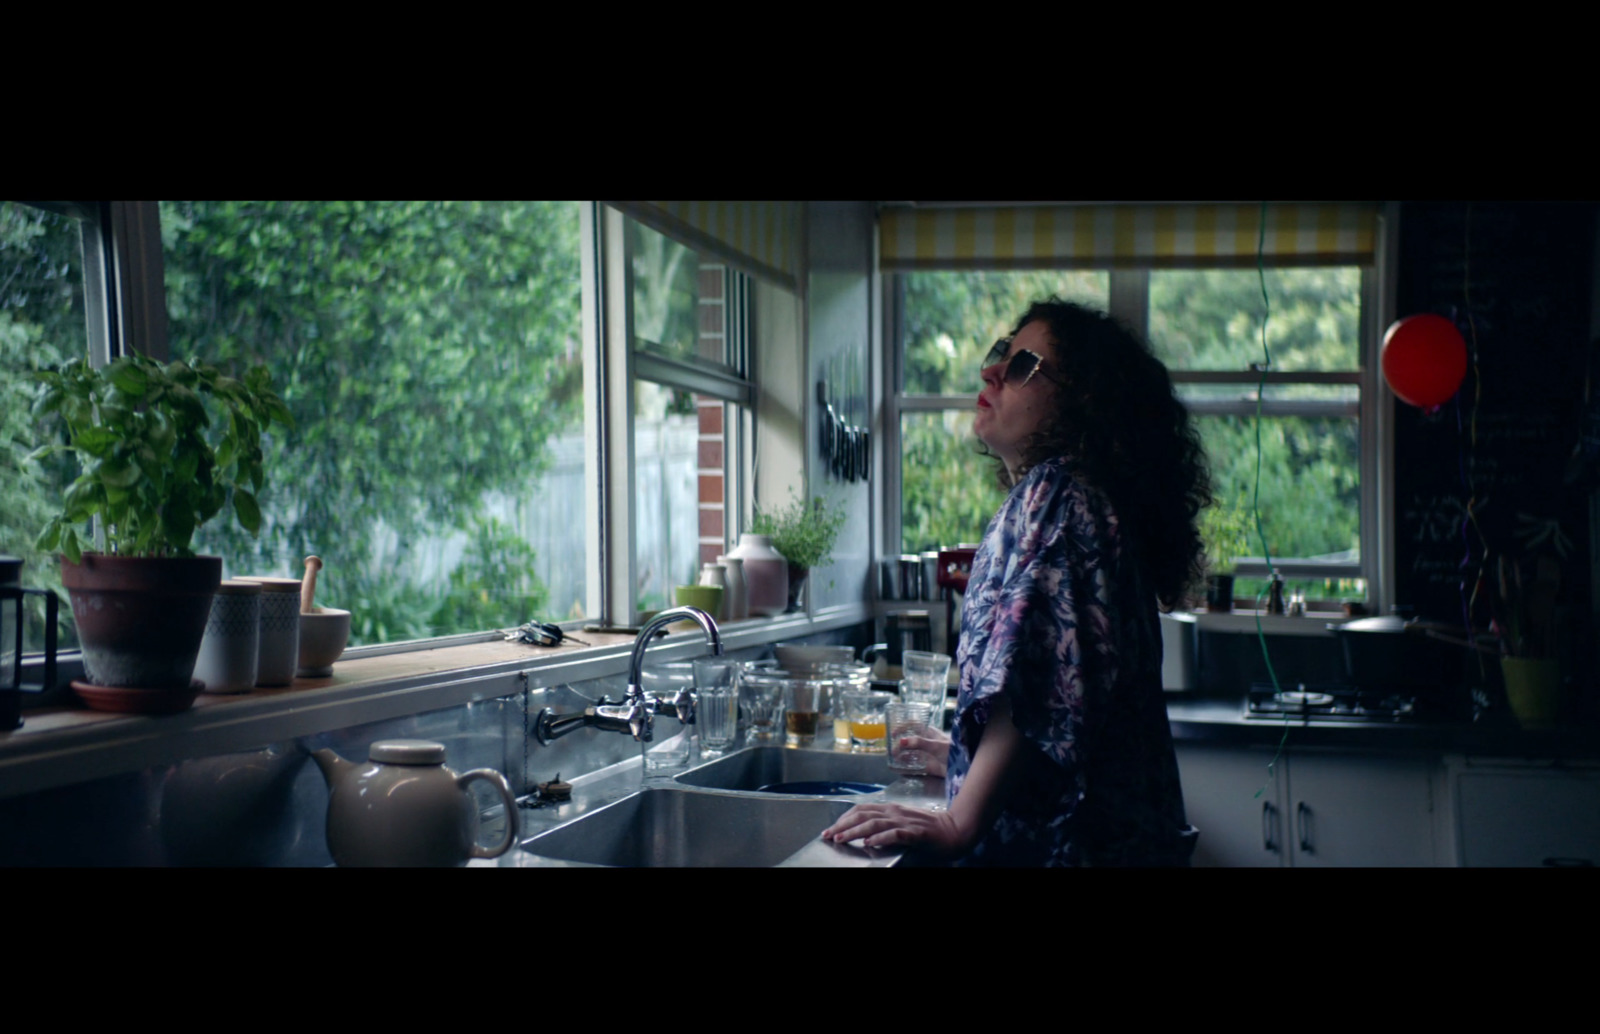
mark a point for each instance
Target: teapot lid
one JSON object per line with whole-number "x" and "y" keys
{"x": 407, "y": 752}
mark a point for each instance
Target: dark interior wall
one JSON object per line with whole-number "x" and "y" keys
{"x": 1517, "y": 279}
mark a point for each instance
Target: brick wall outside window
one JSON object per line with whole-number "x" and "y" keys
{"x": 711, "y": 442}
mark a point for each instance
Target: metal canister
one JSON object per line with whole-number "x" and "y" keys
{"x": 910, "y": 576}
{"x": 930, "y": 574}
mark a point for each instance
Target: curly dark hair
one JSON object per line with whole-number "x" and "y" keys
{"x": 1119, "y": 419}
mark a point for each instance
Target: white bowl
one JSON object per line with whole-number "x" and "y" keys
{"x": 323, "y": 635}
{"x": 806, "y": 659}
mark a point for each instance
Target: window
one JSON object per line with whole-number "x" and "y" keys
{"x": 1186, "y": 278}
{"x": 948, "y": 321}
{"x": 466, "y": 380}
{"x": 688, "y": 352}
{"x": 1206, "y": 326}
{"x": 431, "y": 355}
{"x": 46, "y": 256}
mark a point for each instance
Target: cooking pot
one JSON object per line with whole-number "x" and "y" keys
{"x": 1393, "y": 654}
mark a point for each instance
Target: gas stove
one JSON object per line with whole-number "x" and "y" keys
{"x": 1328, "y": 702}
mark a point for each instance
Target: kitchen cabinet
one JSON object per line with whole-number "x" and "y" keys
{"x": 1311, "y": 808}
{"x": 1525, "y": 813}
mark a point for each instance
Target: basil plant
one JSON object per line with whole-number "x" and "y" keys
{"x": 162, "y": 448}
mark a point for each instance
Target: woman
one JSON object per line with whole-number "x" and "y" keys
{"x": 1060, "y": 752}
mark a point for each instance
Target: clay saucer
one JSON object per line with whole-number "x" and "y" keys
{"x": 124, "y": 700}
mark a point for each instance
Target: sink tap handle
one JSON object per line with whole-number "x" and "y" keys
{"x": 684, "y": 704}
{"x": 641, "y": 721}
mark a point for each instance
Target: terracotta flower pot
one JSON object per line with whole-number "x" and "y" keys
{"x": 140, "y": 619}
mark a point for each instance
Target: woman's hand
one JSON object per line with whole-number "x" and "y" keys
{"x": 934, "y": 745}
{"x": 895, "y": 825}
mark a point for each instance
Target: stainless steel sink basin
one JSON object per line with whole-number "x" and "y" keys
{"x": 672, "y": 827}
{"x": 751, "y": 769}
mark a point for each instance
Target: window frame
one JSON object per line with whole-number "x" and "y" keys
{"x": 727, "y": 382}
{"x": 614, "y": 588}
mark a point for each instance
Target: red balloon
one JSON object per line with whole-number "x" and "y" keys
{"x": 1424, "y": 360}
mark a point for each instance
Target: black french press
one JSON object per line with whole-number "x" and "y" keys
{"x": 11, "y": 621}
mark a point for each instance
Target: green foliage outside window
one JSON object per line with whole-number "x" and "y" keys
{"x": 42, "y": 324}
{"x": 428, "y": 352}
{"x": 1310, "y": 491}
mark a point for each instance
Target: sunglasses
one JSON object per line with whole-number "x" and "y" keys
{"x": 1020, "y": 369}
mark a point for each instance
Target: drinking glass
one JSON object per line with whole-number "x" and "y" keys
{"x": 667, "y": 755}
{"x": 929, "y": 693}
{"x": 868, "y": 719}
{"x": 761, "y": 700}
{"x": 802, "y": 702}
{"x": 716, "y": 687}
{"x": 921, "y": 666}
{"x": 907, "y": 718}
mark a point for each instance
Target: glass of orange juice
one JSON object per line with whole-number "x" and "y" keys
{"x": 868, "y": 711}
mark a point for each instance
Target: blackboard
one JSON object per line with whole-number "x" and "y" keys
{"x": 1516, "y": 278}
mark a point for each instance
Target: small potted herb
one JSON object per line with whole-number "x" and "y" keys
{"x": 804, "y": 533}
{"x": 162, "y": 448}
{"x": 1225, "y": 530}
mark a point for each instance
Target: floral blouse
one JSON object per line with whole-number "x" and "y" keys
{"x": 1058, "y": 616}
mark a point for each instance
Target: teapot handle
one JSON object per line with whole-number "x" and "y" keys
{"x": 498, "y": 781}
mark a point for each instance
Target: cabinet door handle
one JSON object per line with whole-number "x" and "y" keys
{"x": 1269, "y": 842}
{"x": 1302, "y": 814}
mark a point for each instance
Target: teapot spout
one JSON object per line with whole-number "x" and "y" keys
{"x": 332, "y": 765}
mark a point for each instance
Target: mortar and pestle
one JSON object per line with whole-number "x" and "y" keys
{"x": 324, "y": 631}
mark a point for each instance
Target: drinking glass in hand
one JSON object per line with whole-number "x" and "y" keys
{"x": 907, "y": 718}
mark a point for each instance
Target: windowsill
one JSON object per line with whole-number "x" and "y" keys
{"x": 60, "y": 746}
{"x": 1314, "y": 623}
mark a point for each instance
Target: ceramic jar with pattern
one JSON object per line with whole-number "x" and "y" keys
{"x": 230, "y": 652}
{"x": 280, "y": 630}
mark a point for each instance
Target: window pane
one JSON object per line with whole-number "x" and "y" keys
{"x": 430, "y": 353}
{"x": 677, "y": 299}
{"x": 42, "y": 323}
{"x": 1347, "y": 394}
{"x": 674, "y": 432}
{"x": 1310, "y": 481}
{"x": 951, "y": 319}
{"x": 948, "y": 490}
{"x": 1211, "y": 319}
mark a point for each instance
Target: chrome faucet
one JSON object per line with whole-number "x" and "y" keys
{"x": 636, "y": 714}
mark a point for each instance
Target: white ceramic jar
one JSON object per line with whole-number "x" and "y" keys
{"x": 230, "y": 652}
{"x": 736, "y": 601}
{"x": 715, "y": 576}
{"x": 766, "y": 574}
{"x": 280, "y": 630}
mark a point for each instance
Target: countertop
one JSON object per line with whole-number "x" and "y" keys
{"x": 1222, "y": 721}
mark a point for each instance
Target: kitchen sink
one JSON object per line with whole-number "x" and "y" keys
{"x": 676, "y": 827}
{"x": 755, "y": 767}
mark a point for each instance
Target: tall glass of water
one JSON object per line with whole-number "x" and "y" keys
{"x": 925, "y": 680}
{"x": 716, "y": 687}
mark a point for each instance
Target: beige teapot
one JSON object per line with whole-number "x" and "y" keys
{"x": 405, "y": 808}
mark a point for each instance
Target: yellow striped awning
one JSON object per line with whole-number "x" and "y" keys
{"x": 1177, "y": 235}
{"x": 760, "y": 237}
